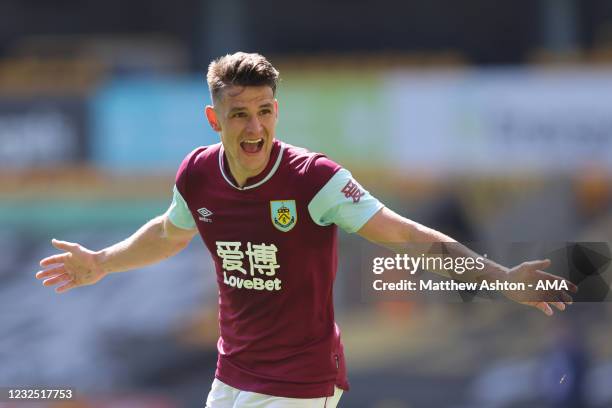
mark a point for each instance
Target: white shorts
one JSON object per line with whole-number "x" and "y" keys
{"x": 222, "y": 395}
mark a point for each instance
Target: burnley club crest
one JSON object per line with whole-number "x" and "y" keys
{"x": 284, "y": 214}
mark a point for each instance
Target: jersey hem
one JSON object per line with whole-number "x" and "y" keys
{"x": 286, "y": 390}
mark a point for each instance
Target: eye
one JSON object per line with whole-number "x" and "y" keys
{"x": 239, "y": 115}
{"x": 265, "y": 111}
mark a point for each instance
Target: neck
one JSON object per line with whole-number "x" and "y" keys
{"x": 240, "y": 176}
{"x": 240, "y": 179}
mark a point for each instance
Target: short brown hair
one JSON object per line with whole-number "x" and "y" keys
{"x": 241, "y": 69}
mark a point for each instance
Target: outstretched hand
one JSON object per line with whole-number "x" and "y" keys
{"x": 76, "y": 266}
{"x": 554, "y": 293}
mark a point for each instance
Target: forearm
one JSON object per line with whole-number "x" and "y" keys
{"x": 404, "y": 236}
{"x": 442, "y": 245}
{"x": 147, "y": 246}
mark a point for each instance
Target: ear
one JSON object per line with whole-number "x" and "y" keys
{"x": 211, "y": 115}
{"x": 276, "y": 108}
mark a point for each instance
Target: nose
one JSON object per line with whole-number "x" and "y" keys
{"x": 254, "y": 125}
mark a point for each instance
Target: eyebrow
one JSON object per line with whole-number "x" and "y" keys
{"x": 242, "y": 108}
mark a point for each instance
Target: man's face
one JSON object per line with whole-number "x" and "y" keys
{"x": 246, "y": 119}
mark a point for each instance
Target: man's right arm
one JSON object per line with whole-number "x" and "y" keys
{"x": 155, "y": 241}
{"x": 77, "y": 266}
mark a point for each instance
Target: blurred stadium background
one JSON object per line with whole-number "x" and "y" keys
{"x": 491, "y": 121}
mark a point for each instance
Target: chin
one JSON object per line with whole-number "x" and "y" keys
{"x": 254, "y": 165}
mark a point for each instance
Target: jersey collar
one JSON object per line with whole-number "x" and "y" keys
{"x": 276, "y": 156}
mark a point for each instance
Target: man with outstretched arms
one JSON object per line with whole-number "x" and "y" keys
{"x": 268, "y": 213}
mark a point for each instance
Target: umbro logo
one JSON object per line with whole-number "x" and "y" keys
{"x": 205, "y": 214}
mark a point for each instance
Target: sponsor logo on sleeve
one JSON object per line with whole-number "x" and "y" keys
{"x": 353, "y": 191}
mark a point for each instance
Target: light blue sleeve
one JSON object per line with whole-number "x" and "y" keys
{"x": 178, "y": 212}
{"x": 344, "y": 202}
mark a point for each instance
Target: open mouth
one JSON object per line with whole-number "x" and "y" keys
{"x": 252, "y": 146}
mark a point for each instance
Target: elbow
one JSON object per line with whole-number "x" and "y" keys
{"x": 174, "y": 238}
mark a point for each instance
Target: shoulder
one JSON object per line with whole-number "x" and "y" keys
{"x": 315, "y": 167}
{"x": 201, "y": 154}
{"x": 198, "y": 158}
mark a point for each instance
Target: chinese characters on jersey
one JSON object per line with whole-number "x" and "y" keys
{"x": 261, "y": 265}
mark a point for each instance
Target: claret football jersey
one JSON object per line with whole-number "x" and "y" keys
{"x": 273, "y": 243}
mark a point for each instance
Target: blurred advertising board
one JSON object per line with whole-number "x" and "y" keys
{"x": 494, "y": 121}
{"x": 41, "y": 131}
{"x": 153, "y": 124}
{"x": 149, "y": 124}
{"x": 507, "y": 121}
{"x": 343, "y": 114}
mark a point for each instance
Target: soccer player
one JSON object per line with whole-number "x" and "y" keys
{"x": 268, "y": 213}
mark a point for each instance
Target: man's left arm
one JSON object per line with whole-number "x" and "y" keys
{"x": 344, "y": 202}
{"x": 389, "y": 229}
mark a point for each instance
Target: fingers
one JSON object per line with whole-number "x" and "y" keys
{"x": 572, "y": 288}
{"x": 544, "y": 307}
{"x": 68, "y": 247}
{"x": 562, "y": 295}
{"x": 559, "y": 299}
{"x": 55, "y": 259}
{"x": 559, "y": 305}
{"x": 56, "y": 270}
{"x": 64, "y": 245}
{"x": 63, "y": 278}
{"x": 540, "y": 264}
{"x": 65, "y": 287}
{"x": 56, "y": 275}
{"x": 565, "y": 297}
